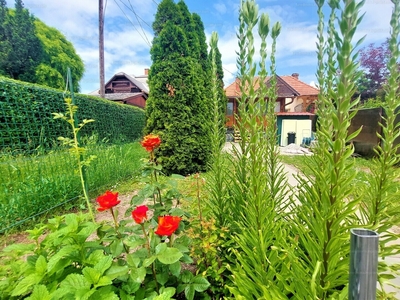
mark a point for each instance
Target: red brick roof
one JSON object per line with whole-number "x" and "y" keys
{"x": 299, "y": 87}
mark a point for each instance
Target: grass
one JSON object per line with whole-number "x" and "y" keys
{"x": 362, "y": 165}
{"x": 32, "y": 185}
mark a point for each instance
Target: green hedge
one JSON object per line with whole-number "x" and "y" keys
{"x": 27, "y": 124}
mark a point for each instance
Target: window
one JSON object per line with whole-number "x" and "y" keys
{"x": 229, "y": 109}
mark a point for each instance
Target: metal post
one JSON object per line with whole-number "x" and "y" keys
{"x": 101, "y": 48}
{"x": 363, "y": 264}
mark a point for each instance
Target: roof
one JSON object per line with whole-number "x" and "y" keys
{"x": 295, "y": 114}
{"x": 121, "y": 96}
{"x": 288, "y": 86}
{"x": 139, "y": 81}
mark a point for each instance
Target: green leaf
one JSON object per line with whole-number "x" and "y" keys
{"x": 103, "y": 281}
{"x": 41, "y": 265}
{"x": 75, "y": 282}
{"x": 25, "y": 284}
{"x": 91, "y": 275}
{"x": 134, "y": 242}
{"x": 166, "y": 294}
{"x": 169, "y": 256}
{"x": 148, "y": 261}
{"x": 175, "y": 268}
{"x": 189, "y": 292}
{"x": 116, "y": 271}
{"x": 40, "y": 292}
{"x": 186, "y": 276}
{"x": 103, "y": 264}
{"x": 160, "y": 248}
{"x": 200, "y": 284}
{"x": 138, "y": 274}
{"x": 162, "y": 278}
{"x": 116, "y": 248}
{"x": 104, "y": 293}
{"x": 132, "y": 260}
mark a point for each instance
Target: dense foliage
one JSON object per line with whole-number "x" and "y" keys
{"x": 373, "y": 62}
{"x": 34, "y": 52}
{"x": 59, "y": 54}
{"x": 178, "y": 108}
{"x": 21, "y": 50}
{"x": 27, "y": 124}
{"x": 254, "y": 234}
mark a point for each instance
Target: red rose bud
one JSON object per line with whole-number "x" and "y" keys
{"x": 167, "y": 225}
{"x": 140, "y": 214}
{"x": 107, "y": 200}
{"x": 151, "y": 142}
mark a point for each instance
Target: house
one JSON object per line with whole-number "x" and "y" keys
{"x": 294, "y": 107}
{"x": 127, "y": 89}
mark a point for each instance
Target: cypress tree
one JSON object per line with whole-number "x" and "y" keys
{"x": 26, "y": 51}
{"x": 5, "y": 46}
{"x": 167, "y": 11}
{"x": 177, "y": 107}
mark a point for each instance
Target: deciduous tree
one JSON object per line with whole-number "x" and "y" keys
{"x": 34, "y": 52}
{"x": 373, "y": 61}
{"x": 59, "y": 54}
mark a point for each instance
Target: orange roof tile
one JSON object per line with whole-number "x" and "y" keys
{"x": 299, "y": 87}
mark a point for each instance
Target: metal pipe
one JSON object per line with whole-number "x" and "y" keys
{"x": 363, "y": 264}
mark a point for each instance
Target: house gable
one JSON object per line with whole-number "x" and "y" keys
{"x": 123, "y": 83}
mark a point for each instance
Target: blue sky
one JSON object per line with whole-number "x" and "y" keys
{"x": 127, "y": 38}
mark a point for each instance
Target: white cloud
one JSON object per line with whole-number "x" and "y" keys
{"x": 220, "y": 7}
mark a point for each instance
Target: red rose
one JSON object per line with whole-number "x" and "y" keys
{"x": 140, "y": 214}
{"x": 151, "y": 142}
{"x": 107, "y": 200}
{"x": 167, "y": 225}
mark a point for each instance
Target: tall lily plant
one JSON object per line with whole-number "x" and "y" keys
{"x": 380, "y": 209}
{"x": 258, "y": 184}
{"x": 326, "y": 209}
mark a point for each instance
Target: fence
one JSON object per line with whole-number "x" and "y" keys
{"x": 36, "y": 172}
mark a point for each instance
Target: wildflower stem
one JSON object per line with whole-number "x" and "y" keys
{"x": 77, "y": 151}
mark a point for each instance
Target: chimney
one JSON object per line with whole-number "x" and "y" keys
{"x": 146, "y": 72}
{"x": 296, "y": 75}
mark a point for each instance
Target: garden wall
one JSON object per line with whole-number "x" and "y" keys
{"x": 368, "y": 139}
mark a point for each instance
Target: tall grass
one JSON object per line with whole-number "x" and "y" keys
{"x": 32, "y": 185}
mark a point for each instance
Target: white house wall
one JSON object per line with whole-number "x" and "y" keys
{"x": 302, "y": 128}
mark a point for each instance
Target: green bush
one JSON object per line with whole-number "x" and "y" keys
{"x": 27, "y": 125}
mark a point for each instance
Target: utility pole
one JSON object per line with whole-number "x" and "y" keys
{"x": 101, "y": 48}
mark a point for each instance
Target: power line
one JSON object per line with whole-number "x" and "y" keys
{"x": 228, "y": 71}
{"x": 137, "y": 18}
{"x": 145, "y": 39}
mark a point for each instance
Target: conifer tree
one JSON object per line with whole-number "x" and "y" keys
{"x": 4, "y": 32}
{"x": 26, "y": 50}
{"x": 177, "y": 108}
